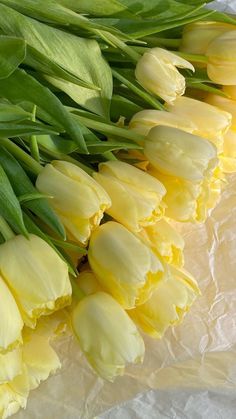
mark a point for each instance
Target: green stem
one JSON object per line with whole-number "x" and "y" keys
{"x": 192, "y": 57}
{"x": 154, "y": 41}
{"x": 20, "y": 154}
{"x": 110, "y": 129}
{"x": 118, "y": 43}
{"x": 144, "y": 95}
{"x": 5, "y": 229}
{"x": 109, "y": 155}
{"x": 34, "y": 150}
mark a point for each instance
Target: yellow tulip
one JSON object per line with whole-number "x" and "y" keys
{"x": 24, "y": 368}
{"x": 165, "y": 240}
{"x": 221, "y": 54}
{"x": 14, "y": 394}
{"x": 143, "y": 121}
{"x": 88, "y": 283}
{"x": 10, "y": 365}
{"x": 188, "y": 201}
{"x": 224, "y": 104}
{"x": 37, "y": 277}
{"x": 136, "y": 197}
{"x": 210, "y": 122}
{"x": 198, "y": 35}
{"x": 107, "y": 335}
{"x": 178, "y": 153}
{"x": 78, "y": 200}
{"x": 124, "y": 266}
{"x": 156, "y": 71}
{"x": 11, "y": 323}
{"x": 39, "y": 358}
{"x": 168, "y": 304}
{"x": 228, "y": 156}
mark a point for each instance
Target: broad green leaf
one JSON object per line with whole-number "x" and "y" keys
{"x": 12, "y": 53}
{"x": 21, "y": 87}
{"x": 22, "y": 186}
{"x": 33, "y": 228}
{"x": 15, "y": 129}
{"x": 9, "y": 206}
{"x": 96, "y": 8}
{"x": 12, "y": 113}
{"x": 78, "y": 56}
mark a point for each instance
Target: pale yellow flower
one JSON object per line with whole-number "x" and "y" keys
{"x": 136, "y": 197}
{"x": 143, "y": 121}
{"x": 191, "y": 201}
{"x": 178, "y": 153}
{"x": 123, "y": 264}
{"x": 221, "y": 54}
{"x": 77, "y": 198}
{"x": 37, "y": 277}
{"x": 225, "y": 104}
{"x": 198, "y": 35}
{"x": 14, "y": 394}
{"x": 11, "y": 323}
{"x": 166, "y": 241}
{"x": 210, "y": 122}
{"x": 10, "y": 365}
{"x": 156, "y": 71}
{"x": 107, "y": 335}
{"x": 168, "y": 304}
{"x": 88, "y": 282}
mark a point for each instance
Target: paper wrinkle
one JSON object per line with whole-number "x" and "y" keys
{"x": 200, "y": 354}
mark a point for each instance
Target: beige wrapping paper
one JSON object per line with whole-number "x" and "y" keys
{"x": 190, "y": 370}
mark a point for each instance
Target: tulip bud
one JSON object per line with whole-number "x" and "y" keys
{"x": 165, "y": 241}
{"x": 36, "y": 275}
{"x": 168, "y": 304}
{"x": 124, "y": 266}
{"x": 136, "y": 197}
{"x": 10, "y": 365}
{"x": 143, "y": 121}
{"x": 188, "y": 201}
{"x": 230, "y": 91}
{"x": 198, "y": 35}
{"x": 107, "y": 336}
{"x": 78, "y": 200}
{"x": 13, "y": 395}
{"x": 88, "y": 283}
{"x": 11, "y": 323}
{"x": 178, "y": 153}
{"x": 156, "y": 72}
{"x": 221, "y": 54}
{"x": 210, "y": 122}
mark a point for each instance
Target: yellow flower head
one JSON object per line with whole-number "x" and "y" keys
{"x": 37, "y": 277}
{"x": 178, "y": 153}
{"x": 165, "y": 240}
{"x": 123, "y": 264}
{"x": 156, "y": 71}
{"x": 198, "y": 35}
{"x": 143, "y": 121}
{"x": 210, "y": 122}
{"x": 168, "y": 304}
{"x": 221, "y": 54}
{"x": 77, "y": 198}
{"x": 11, "y": 322}
{"x": 188, "y": 201}
{"x": 107, "y": 335}
{"x": 136, "y": 197}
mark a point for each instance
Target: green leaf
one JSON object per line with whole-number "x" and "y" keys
{"x": 96, "y": 8}
{"x": 31, "y": 197}
{"x": 9, "y": 206}
{"x": 79, "y": 57}
{"x": 120, "y": 106}
{"x": 21, "y": 87}
{"x": 15, "y": 129}
{"x": 22, "y": 186}
{"x": 12, "y": 53}
{"x": 12, "y": 113}
{"x": 33, "y": 228}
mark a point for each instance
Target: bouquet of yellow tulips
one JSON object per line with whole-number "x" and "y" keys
{"x": 117, "y": 121}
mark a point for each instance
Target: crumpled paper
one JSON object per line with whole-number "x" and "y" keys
{"x": 183, "y": 373}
